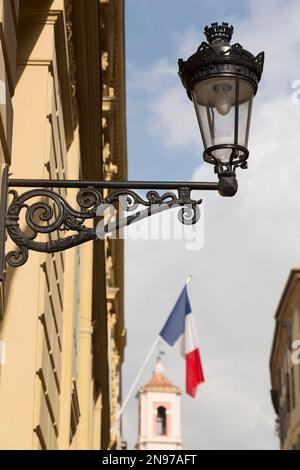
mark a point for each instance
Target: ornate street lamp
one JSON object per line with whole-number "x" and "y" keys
{"x": 221, "y": 80}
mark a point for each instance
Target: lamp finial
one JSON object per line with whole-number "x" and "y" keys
{"x": 218, "y": 33}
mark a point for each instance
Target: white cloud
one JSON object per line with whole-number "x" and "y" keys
{"x": 153, "y": 79}
{"x": 252, "y": 241}
{"x": 189, "y": 42}
{"x": 173, "y": 121}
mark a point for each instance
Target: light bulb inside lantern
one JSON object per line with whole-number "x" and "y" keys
{"x": 223, "y": 101}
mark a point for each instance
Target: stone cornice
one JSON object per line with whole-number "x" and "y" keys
{"x": 86, "y": 39}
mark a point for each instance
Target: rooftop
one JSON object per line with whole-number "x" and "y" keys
{"x": 159, "y": 382}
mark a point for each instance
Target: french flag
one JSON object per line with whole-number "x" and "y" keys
{"x": 179, "y": 331}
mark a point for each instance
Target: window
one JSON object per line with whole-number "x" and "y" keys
{"x": 75, "y": 412}
{"x": 298, "y": 314}
{"x": 282, "y": 378}
{"x": 161, "y": 421}
{"x": 293, "y": 387}
{"x": 289, "y": 326}
{"x": 298, "y": 367}
{"x": 288, "y": 398}
{"x": 279, "y": 382}
{"x": 76, "y": 316}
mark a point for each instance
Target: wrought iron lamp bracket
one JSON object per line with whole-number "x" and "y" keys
{"x": 41, "y": 210}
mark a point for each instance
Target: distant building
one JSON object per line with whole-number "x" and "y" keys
{"x": 284, "y": 364}
{"x": 159, "y": 413}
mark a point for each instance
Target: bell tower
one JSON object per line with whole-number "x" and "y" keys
{"x": 159, "y": 413}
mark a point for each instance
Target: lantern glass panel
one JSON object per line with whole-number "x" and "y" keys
{"x": 223, "y": 107}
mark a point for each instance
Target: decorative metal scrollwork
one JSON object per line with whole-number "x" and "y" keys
{"x": 129, "y": 201}
{"x": 155, "y": 203}
{"x": 47, "y": 216}
{"x": 51, "y": 213}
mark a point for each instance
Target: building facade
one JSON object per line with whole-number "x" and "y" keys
{"x": 62, "y": 116}
{"x": 159, "y": 426}
{"x": 285, "y": 365}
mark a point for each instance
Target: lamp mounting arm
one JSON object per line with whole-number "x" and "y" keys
{"x": 40, "y": 211}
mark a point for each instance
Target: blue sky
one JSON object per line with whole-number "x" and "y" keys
{"x": 251, "y": 241}
{"x": 153, "y": 26}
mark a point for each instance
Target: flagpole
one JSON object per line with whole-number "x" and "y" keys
{"x": 131, "y": 390}
{"x": 138, "y": 377}
{"x": 188, "y": 280}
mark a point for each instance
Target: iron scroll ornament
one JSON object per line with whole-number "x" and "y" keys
{"x": 51, "y": 214}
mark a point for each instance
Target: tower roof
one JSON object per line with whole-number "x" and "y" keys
{"x": 159, "y": 382}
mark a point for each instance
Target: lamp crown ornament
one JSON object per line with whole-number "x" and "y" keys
{"x": 217, "y": 57}
{"x": 218, "y": 33}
